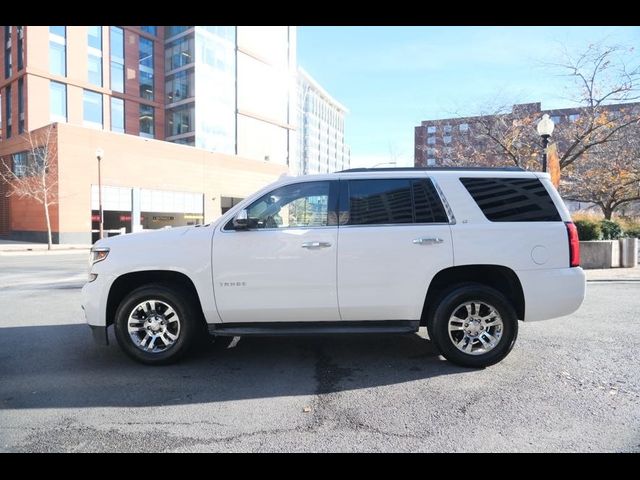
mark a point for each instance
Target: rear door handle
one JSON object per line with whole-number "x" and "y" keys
{"x": 427, "y": 241}
{"x": 316, "y": 244}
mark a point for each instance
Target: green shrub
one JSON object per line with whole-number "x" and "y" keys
{"x": 610, "y": 230}
{"x": 588, "y": 229}
{"x": 632, "y": 232}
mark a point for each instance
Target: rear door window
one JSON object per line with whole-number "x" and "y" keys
{"x": 394, "y": 201}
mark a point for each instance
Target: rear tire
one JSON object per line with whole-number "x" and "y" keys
{"x": 157, "y": 324}
{"x": 473, "y": 325}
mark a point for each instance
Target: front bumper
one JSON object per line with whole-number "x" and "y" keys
{"x": 94, "y": 303}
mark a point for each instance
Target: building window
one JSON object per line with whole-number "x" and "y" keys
{"x": 95, "y": 70}
{"x": 556, "y": 119}
{"x": 431, "y": 151}
{"x": 58, "y": 51}
{"x": 95, "y": 55}
{"x": 146, "y": 68}
{"x": 446, "y": 139}
{"x": 179, "y": 53}
{"x": 20, "y": 47}
{"x": 92, "y": 109}
{"x": 153, "y": 30}
{"x": 574, "y": 117}
{"x": 180, "y": 86}
{"x": 431, "y": 141}
{"x": 116, "y": 49}
{"x": 58, "y": 102}
{"x": 431, "y": 162}
{"x": 95, "y": 37}
{"x": 146, "y": 121}
{"x": 7, "y": 111}
{"x": 7, "y": 51}
{"x": 447, "y": 129}
{"x": 431, "y": 129}
{"x": 180, "y": 120}
{"x": 463, "y": 127}
{"x": 172, "y": 30}
{"x": 117, "y": 115}
{"x": 20, "y": 160}
{"x": 21, "y": 105}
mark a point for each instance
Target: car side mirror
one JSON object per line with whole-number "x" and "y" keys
{"x": 241, "y": 220}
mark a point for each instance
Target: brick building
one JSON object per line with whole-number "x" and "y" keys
{"x": 228, "y": 91}
{"x": 437, "y": 140}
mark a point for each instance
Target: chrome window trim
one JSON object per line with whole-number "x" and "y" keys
{"x": 445, "y": 203}
{"x": 223, "y": 230}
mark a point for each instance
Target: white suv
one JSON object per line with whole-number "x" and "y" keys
{"x": 465, "y": 252}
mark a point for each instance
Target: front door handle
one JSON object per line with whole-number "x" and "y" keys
{"x": 427, "y": 241}
{"x": 316, "y": 244}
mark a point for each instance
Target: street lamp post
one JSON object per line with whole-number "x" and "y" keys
{"x": 545, "y": 129}
{"x": 99, "y": 156}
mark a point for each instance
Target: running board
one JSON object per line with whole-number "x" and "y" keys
{"x": 312, "y": 328}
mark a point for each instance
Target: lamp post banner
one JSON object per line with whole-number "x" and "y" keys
{"x": 553, "y": 164}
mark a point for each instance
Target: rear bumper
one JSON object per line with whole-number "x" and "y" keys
{"x": 552, "y": 293}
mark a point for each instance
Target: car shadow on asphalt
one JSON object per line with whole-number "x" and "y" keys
{"x": 60, "y": 367}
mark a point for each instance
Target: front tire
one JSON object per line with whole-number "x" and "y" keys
{"x": 157, "y": 324}
{"x": 473, "y": 325}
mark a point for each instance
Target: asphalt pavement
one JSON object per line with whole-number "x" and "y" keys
{"x": 569, "y": 385}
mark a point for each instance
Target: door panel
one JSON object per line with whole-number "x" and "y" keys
{"x": 384, "y": 275}
{"x": 396, "y": 238}
{"x": 268, "y": 276}
{"x": 283, "y": 269}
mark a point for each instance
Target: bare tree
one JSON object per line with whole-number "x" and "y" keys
{"x": 37, "y": 177}
{"x": 599, "y": 76}
{"x": 608, "y": 176}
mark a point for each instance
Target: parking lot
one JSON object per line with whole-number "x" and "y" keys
{"x": 569, "y": 385}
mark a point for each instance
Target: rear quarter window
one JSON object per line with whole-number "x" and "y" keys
{"x": 512, "y": 199}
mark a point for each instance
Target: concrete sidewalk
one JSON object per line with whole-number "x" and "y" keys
{"x": 613, "y": 275}
{"x": 11, "y": 247}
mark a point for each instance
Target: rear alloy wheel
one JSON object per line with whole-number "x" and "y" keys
{"x": 157, "y": 324}
{"x": 473, "y": 325}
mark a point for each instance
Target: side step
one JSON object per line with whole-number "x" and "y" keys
{"x": 312, "y": 328}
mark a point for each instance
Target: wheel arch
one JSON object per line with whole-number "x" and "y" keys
{"x": 128, "y": 282}
{"x": 499, "y": 277}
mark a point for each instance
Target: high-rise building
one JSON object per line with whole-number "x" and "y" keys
{"x": 223, "y": 89}
{"x": 322, "y": 148}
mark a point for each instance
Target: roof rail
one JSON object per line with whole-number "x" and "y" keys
{"x": 436, "y": 169}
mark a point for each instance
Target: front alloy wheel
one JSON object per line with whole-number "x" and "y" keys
{"x": 153, "y": 326}
{"x": 158, "y": 323}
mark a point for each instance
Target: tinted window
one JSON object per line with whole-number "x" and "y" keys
{"x": 428, "y": 207}
{"x": 512, "y": 199}
{"x": 380, "y": 202}
{"x": 297, "y": 205}
{"x": 394, "y": 201}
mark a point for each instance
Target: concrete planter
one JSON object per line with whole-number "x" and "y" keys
{"x": 628, "y": 252}
{"x": 600, "y": 254}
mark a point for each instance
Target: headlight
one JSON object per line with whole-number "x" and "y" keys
{"x": 98, "y": 254}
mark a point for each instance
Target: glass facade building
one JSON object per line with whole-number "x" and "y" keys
{"x": 321, "y": 119}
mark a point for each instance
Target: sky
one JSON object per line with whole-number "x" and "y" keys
{"x": 392, "y": 78}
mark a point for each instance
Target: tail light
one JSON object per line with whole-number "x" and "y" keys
{"x": 574, "y": 245}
